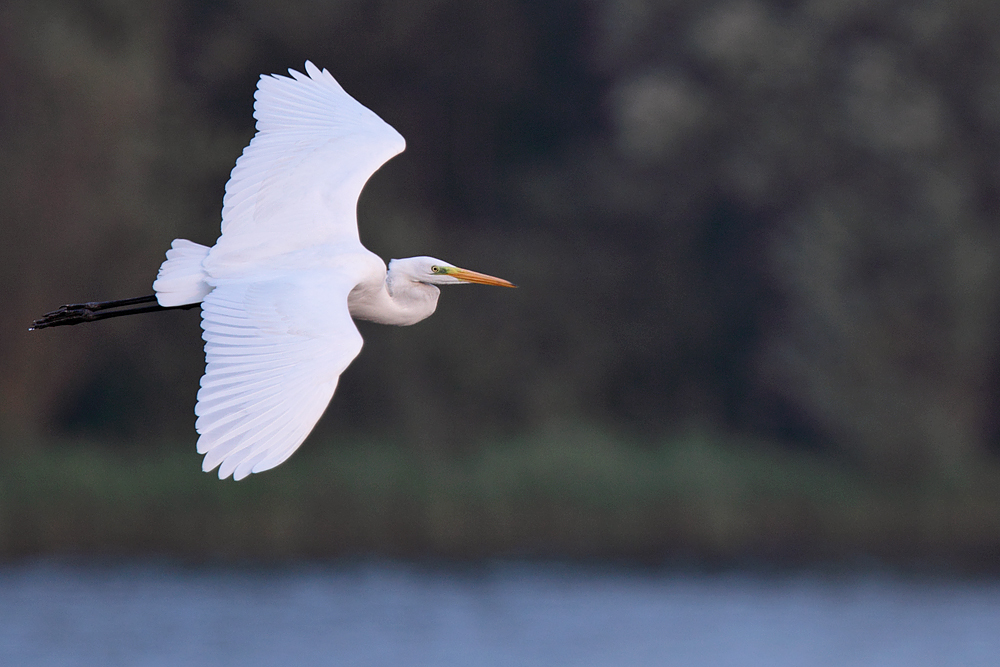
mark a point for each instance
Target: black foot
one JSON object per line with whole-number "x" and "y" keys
{"x": 77, "y": 313}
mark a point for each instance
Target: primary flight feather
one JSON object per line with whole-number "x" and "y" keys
{"x": 281, "y": 287}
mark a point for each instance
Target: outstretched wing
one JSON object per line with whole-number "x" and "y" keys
{"x": 297, "y": 184}
{"x": 274, "y": 352}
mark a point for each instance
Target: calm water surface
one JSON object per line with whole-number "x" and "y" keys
{"x": 520, "y": 615}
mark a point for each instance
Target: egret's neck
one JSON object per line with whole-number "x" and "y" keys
{"x": 397, "y": 300}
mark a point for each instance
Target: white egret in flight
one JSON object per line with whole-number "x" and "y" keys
{"x": 281, "y": 284}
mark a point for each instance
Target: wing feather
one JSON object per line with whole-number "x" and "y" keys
{"x": 274, "y": 352}
{"x": 297, "y": 183}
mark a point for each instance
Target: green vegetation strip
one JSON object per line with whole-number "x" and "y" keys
{"x": 578, "y": 494}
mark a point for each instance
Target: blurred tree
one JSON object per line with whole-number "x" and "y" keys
{"x": 853, "y": 137}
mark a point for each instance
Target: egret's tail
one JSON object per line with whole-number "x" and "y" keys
{"x": 181, "y": 279}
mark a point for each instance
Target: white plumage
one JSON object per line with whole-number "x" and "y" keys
{"x": 181, "y": 278}
{"x": 280, "y": 286}
{"x": 271, "y": 369}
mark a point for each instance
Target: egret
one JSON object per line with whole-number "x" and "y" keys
{"x": 280, "y": 287}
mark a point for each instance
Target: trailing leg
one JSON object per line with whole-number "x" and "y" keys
{"x": 77, "y": 313}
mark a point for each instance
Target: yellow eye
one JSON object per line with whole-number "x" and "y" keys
{"x": 435, "y": 269}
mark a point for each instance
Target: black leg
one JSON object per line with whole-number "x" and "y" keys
{"x": 76, "y": 313}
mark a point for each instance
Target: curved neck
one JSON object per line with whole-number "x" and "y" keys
{"x": 396, "y": 300}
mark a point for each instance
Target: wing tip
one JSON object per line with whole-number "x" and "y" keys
{"x": 272, "y": 87}
{"x": 312, "y": 72}
{"x": 209, "y": 466}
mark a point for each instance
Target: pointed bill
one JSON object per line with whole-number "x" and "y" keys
{"x": 478, "y": 278}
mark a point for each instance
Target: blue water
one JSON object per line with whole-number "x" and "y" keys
{"x": 518, "y": 615}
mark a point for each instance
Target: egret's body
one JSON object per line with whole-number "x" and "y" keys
{"x": 280, "y": 287}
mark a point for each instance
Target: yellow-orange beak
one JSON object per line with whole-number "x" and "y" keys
{"x": 479, "y": 278}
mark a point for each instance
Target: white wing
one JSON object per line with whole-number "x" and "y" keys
{"x": 274, "y": 352}
{"x": 297, "y": 183}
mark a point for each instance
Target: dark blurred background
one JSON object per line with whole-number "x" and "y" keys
{"x": 771, "y": 222}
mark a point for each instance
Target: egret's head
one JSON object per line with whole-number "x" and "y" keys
{"x": 435, "y": 272}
